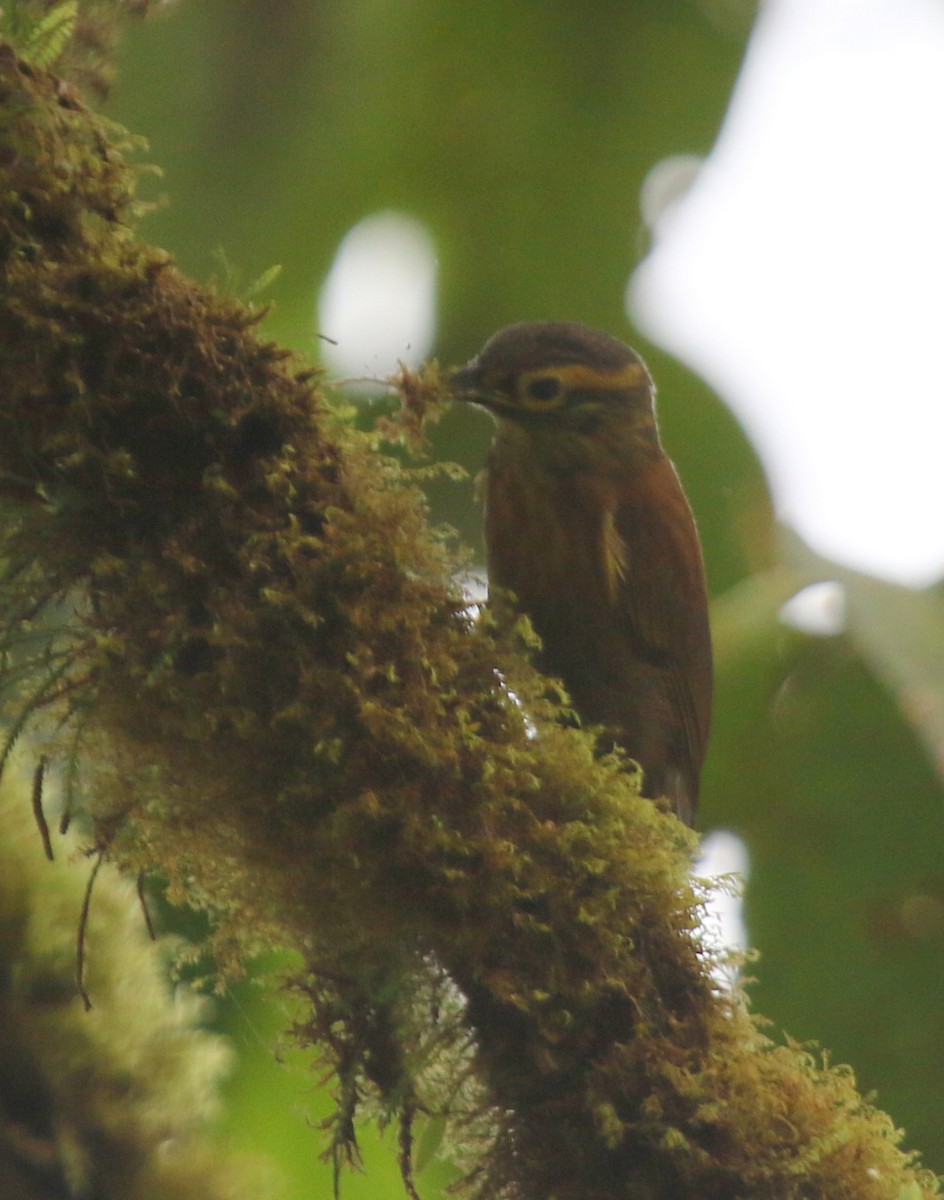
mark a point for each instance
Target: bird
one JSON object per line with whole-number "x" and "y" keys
{"x": 589, "y": 533}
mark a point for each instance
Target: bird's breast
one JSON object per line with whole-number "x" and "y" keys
{"x": 551, "y": 537}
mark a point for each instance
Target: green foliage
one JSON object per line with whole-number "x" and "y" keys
{"x": 48, "y": 37}
{"x": 819, "y": 750}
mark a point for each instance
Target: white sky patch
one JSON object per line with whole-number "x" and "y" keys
{"x": 724, "y": 853}
{"x": 379, "y": 299}
{"x": 819, "y": 609}
{"x": 803, "y": 274}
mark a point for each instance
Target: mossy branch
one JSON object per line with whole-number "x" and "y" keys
{"x": 283, "y": 705}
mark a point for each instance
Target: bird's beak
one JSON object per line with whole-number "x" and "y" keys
{"x": 467, "y": 384}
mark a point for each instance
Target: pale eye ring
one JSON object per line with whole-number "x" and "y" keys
{"x": 544, "y": 389}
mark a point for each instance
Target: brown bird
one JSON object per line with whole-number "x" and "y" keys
{"x": 587, "y": 526}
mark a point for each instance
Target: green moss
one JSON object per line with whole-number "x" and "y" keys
{"x": 284, "y": 705}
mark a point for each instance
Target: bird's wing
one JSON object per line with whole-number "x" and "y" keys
{"x": 660, "y": 593}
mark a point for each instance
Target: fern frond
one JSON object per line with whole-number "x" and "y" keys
{"x": 49, "y": 36}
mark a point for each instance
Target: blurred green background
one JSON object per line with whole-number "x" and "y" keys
{"x": 519, "y": 135}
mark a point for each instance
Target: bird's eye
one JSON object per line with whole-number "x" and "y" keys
{"x": 542, "y": 391}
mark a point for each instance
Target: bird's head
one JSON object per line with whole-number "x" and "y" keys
{"x": 557, "y": 378}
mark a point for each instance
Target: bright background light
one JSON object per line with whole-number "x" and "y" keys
{"x": 378, "y": 303}
{"x": 724, "y": 857}
{"x": 802, "y": 273}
